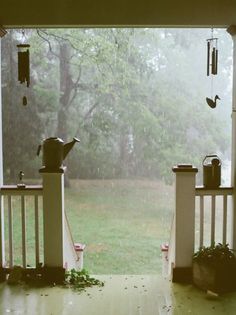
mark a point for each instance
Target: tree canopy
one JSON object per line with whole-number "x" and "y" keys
{"x": 135, "y": 98}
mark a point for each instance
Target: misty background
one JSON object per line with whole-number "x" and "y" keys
{"x": 134, "y": 97}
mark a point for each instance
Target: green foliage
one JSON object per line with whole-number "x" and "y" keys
{"x": 80, "y": 280}
{"x": 215, "y": 254}
{"x": 21, "y": 124}
{"x": 135, "y": 98}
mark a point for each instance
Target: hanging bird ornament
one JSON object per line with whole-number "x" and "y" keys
{"x": 24, "y": 65}
{"x": 212, "y": 103}
{"x": 212, "y": 66}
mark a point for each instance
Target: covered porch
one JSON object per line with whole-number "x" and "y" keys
{"x": 127, "y": 294}
{"x": 122, "y": 294}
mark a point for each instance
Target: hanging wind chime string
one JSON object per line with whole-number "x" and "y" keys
{"x": 24, "y": 64}
{"x": 212, "y": 66}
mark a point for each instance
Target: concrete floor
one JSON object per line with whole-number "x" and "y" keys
{"x": 121, "y": 295}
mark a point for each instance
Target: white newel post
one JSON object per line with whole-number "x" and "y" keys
{"x": 2, "y": 240}
{"x": 232, "y": 31}
{"x": 184, "y": 222}
{"x": 54, "y": 225}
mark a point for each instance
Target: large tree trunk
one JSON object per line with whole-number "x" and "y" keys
{"x": 124, "y": 154}
{"x": 66, "y": 87}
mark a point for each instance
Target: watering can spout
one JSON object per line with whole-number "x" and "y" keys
{"x": 68, "y": 146}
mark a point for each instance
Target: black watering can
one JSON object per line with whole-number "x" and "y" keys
{"x": 211, "y": 171}
{"x": 54, "y": 153}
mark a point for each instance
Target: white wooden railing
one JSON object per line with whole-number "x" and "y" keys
{"x": 220, "y": 199}
{"x": 52, "y": 233}
{"x": 20, "y": 196}
{"x": 201, "y": 218}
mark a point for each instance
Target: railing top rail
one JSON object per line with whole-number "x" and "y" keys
{"x": 221, "y": 191}
{"x": 34, "y": 190}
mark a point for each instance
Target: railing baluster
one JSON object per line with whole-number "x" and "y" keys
{"x": 10, "y": 191}
{"x": 224, "y": 219}
{"x": 23, "y": 222}
{"x": 36, "y": 209}
{"x": 213, "y": 217}
{"x": 223, "y": 192}
{"x": 201, "y": 220}
{"x": 10, "y": 232}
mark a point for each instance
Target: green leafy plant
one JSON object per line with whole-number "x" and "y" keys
{"x": 80, "y": 280}
{"x": 215, "y": 254}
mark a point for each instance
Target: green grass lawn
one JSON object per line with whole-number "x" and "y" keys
{"x": 122, "y": 223}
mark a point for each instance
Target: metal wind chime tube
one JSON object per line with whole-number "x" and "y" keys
{"x": 212, "y": 67}
{"x": 208, "y": 58}
{"x": 23, "y": 64}
{"x": 212, "y": 56}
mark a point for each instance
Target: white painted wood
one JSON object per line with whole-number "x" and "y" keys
{"x": 10, "y": 232}
{"x": 224, "y": 232}
{"x": 171, "y": 251}
{"x": 23, "y": 230}
{"x": 2, "y": 236}
{"x": 73, "y": 259}
{"x": 184, "y": 216}
{"x": 213, "y": 219}
{"x": 13, "y": 190}
{"x": 1, "y": 154}
{"x": 53, "y": 217}
{"x": 23, "y": 226}
{"x": 232, "y": 32}
{"x": 201, "y": 228}
{"x": 221, "y": 191}
{"x": 36, "y": 217}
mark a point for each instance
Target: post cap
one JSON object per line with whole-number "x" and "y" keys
{"x": 184, "y": 168}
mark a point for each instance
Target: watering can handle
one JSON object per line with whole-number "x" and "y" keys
{"x": 39, "y": 149}
{"x": 76, "y": 139}
{"x": 210, "y": 155}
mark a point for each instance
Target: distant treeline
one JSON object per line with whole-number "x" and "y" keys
{"x": 134, "y": 97}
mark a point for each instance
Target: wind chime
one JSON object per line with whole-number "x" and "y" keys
{"x": 212, "y": 66}
{"x": 24, "y": 65}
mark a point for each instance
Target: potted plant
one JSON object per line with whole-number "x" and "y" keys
{"x": 214, "y": 268}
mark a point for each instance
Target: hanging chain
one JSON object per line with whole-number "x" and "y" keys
{"x": 23, "y": 37}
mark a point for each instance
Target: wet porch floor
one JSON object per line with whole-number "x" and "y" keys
{"x": 121, "y": 295}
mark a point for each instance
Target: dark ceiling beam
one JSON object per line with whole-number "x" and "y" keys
{"x": 165, "y": 13}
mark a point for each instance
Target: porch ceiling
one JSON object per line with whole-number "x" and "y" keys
{"x": 169, "y": 13}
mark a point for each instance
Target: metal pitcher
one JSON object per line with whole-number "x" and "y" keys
{"x": 54, "y": 153}
{"x": 211, "y": 171}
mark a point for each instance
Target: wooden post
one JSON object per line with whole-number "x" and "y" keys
{"x": 232, "y": 31}
{"x": 53, "y": 217}
{"x": 2, "y": 238}
{"x": 184, "y": 222}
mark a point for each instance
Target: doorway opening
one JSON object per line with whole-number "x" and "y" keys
{"x": 136, "y": 98}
